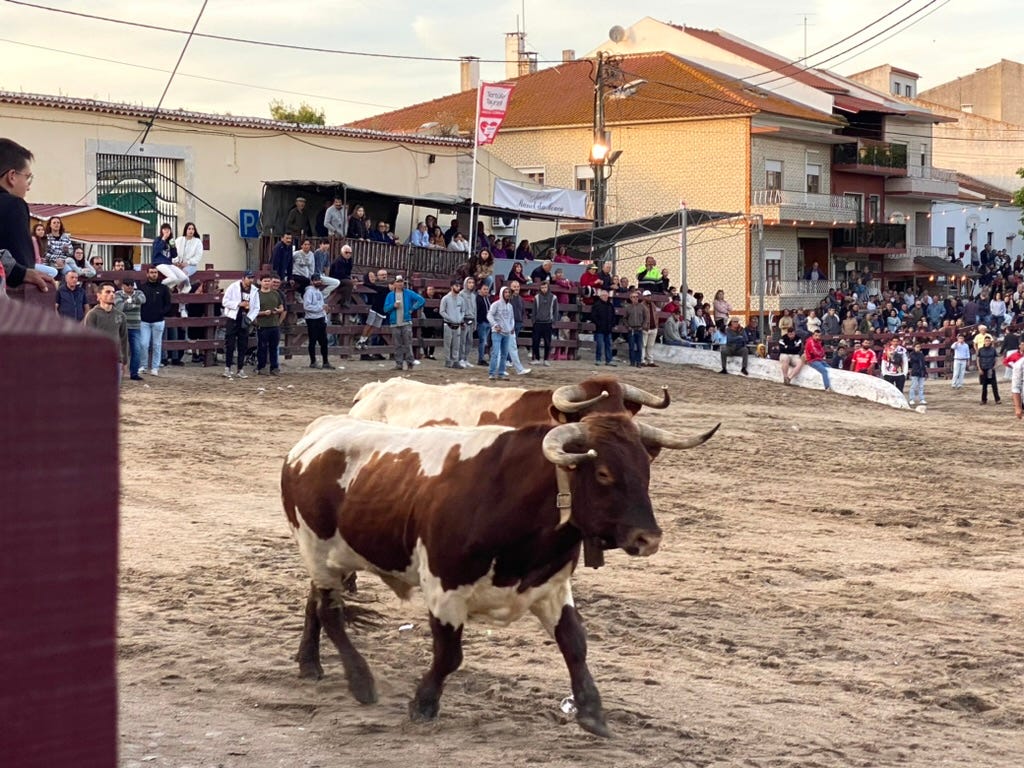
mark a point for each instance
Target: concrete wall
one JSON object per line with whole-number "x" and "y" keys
{"x": 794, "y": 156}
{"x": 996, "y": 92}
{"x": 1003, "y": 222}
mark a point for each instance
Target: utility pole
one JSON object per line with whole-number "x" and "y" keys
{"x": 599, "y": 150}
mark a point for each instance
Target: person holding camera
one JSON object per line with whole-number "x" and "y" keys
{"x": 241, "y": 304}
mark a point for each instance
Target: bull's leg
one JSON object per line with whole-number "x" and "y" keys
{"x": 560, "y": 618}
{"x": 447, "y": 658}
{"x": 572, "y": 641}
{"x": 309, "y": 647}
{"x": 357, "y": 671}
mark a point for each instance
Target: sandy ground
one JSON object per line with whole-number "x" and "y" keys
{"x": 840, "y": 584}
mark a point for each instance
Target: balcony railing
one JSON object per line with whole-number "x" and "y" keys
{"x": 801, "y": 287}
{"x": 927, "y": 251}
{"x": 790, "y": 198}
{"x": 931, "y": 172}
{"x": 881, "y": 236}
{"x": 871, "y": 155}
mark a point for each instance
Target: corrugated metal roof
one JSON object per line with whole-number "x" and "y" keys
{"x": 564, "y": 96}
{"x": 230, "y": 121}
{"x": 46, "y": 210}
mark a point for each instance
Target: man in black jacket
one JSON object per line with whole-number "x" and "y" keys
{"x": 602, "y": 315}
{"x": 151, "y": 315}
{"x": 375, "y": 318}
{"x": 15, "y": 237}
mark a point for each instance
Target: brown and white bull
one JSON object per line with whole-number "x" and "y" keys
{"x": 410, "y": 403}
{"x": 434, "y": 508}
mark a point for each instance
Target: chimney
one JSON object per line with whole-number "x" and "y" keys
{"x": 568, "y": 54}
{"x": 527, "y": 64}
{"x": 469, "y": 73}
{"x": 514, "y": 45}
{"x": 967, "y": 108}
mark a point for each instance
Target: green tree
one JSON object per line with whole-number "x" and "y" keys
{"x": 304, "y": 114}
{"x": 1018, "y": 197}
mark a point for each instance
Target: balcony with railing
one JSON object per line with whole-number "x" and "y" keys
{"x": 871, "y": 238}
{"x": 781, "y": 204}
{"x": 878, "y": 158}
{"x": 924, "y": 181}
{"x": 928, "y": 252}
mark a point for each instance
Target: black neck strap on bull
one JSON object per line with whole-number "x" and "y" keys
{"x": 593, "y": 554}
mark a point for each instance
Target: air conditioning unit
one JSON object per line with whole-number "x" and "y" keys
{"x": 502, "y": 222}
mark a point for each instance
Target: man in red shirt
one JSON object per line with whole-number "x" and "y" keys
{"x": 814, "y": 354}
{"x": 863, "y": 358}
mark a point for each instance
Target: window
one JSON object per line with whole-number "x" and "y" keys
{"x": 146, "y": 187}
{"x": 874, "y": 208}
{"x": 772, "y": 271}
{"x": 535, "y": 173}
{"x": 585, "y": 183}
{"x": 858, "y": 204}
{"x": 814, "y": 177}
{"x": 773, "y": 174}
{"x": 909, "y": 91}
{"x": 951, "y": 239}
{"x": 896, "y": 88}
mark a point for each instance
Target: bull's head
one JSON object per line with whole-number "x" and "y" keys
{"x": 609, "y": 458}
{"x": 604, "y": 395}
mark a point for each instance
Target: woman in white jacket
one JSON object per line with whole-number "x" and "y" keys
{"x": 190, "y": 252}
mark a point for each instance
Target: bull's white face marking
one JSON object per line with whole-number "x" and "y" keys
{"x": 409, "y": 403}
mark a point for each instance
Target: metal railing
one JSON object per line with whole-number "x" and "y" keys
{"x": 812, "y": 200}
{"x": 890, "y": 236}
{"x": 774, "y": 287}
{"x": 931, "y": 172}
{"x": 396, "y": 258}
{"x": 927, "y": 251}
{"x": 875, "y": 154}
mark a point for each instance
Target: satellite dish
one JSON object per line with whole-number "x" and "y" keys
{"x": 616, "y": 34}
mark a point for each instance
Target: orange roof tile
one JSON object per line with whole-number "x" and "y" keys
{"x": 564, "y": 96}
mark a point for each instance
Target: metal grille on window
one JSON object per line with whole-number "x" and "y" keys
{"x": 146, "y": 187}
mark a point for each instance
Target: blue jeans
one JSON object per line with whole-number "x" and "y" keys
{"x": 916, "y": 389}
{"x": 500, "y": 345}
{"x": 635, "y": 339}
{"x": 603, "y": 343}
{"x": 822, "y": 367}
{"x": 151, "y": 334}
{"x": 483, "y": 330}
{"x": 135, "y": 346}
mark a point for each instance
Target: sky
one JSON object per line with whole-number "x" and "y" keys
{"x": 59, "y": 54}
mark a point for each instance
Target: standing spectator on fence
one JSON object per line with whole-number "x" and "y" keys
{"x": 917, "y": 364}
{"x": 814, "y": 354}
{"x": 791, "y": 348}
{"x": 129, "y": 301}
{"x": 635, "y": 316}
{"x": 297, "y": 223}
{"x": 483, "y": 325}
{"x": 71, "y": 298}
{"x": 15, "y": 236}
{"x": 469, "y": 318}
{"x": 735, "y": 345}
{"x": 165, "y": 253}
{"x": 190, "y": 254}
{"x": 109, "y": 320}
{"x": 451, "y": 317}
{"x": 268, "y": 326}
{"x": 335, "y": 220}
{"x": 545, "y": 312}
{"x": 987, "y": 370}
{"x": 241, "y": 303}
{"x": 602, "y": 315}
{"x": 151, "y": 317}
{"x": 650, "y": 329}
{"x": 375, "y": 317}
{"x": 399, "y": 306}
{"x": 314, "y": 299}
{"x": 282, "y": 258}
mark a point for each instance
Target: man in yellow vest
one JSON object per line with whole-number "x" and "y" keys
{"x": 651, "y": 278}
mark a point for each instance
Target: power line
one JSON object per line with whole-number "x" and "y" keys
{"x": 263, "y": 43}
{"x": 133, "y": 65}
{"x": 916, "y": 21}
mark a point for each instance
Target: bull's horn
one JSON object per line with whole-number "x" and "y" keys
{"x": 636, "y": 395}
{"x": 663, "y": 439}
{"x": 556, "y": 440}
{"x": 572, "y": 398}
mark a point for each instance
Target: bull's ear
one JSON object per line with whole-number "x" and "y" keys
{"x": 557, "y": 416}
{"x": 633, "y": 407}
{"x": 652, "y": 451}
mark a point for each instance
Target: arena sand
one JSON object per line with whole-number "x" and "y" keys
{"x": 840, "y": 584}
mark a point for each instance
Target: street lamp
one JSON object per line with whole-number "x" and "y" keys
{"x": 602, "y": 156}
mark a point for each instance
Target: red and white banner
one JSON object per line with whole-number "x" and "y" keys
{"x": 491, "y": 106}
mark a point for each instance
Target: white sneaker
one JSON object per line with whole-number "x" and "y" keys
{"x": 241, "y": 374}
{"x": 461, "y": 364}
{"x": 227, "y": 373}
{"x": 142, "y": 371}
{"x": 911, "y": 402}
{"x": 183, "y": 311}
{"x": 547, "y": 363}
{"x": 415, "y": 362}
{"x": 156, "y": 371}
{"x": 523, "y": 372}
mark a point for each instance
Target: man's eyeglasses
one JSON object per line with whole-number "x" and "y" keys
{"x": 27, "y": 174}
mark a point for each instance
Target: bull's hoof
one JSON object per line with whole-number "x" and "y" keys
{"x": 363, "y": 688}
{"x": 423, "y": 711}
{"x": 593, "y": 723}
{"x": 310, "y": 670}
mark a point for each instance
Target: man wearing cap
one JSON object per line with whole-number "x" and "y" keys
{"x": 241, "y": 303}
{"x": 130, "y": 300}
{"x": 451, "y": 317}
{"x": 313, "y": 307}
{"x": 297, "y": 224}
{"x": 590, "y": 284}
{"x": 735, "y": 345}
{"x": 399, "y": 306}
